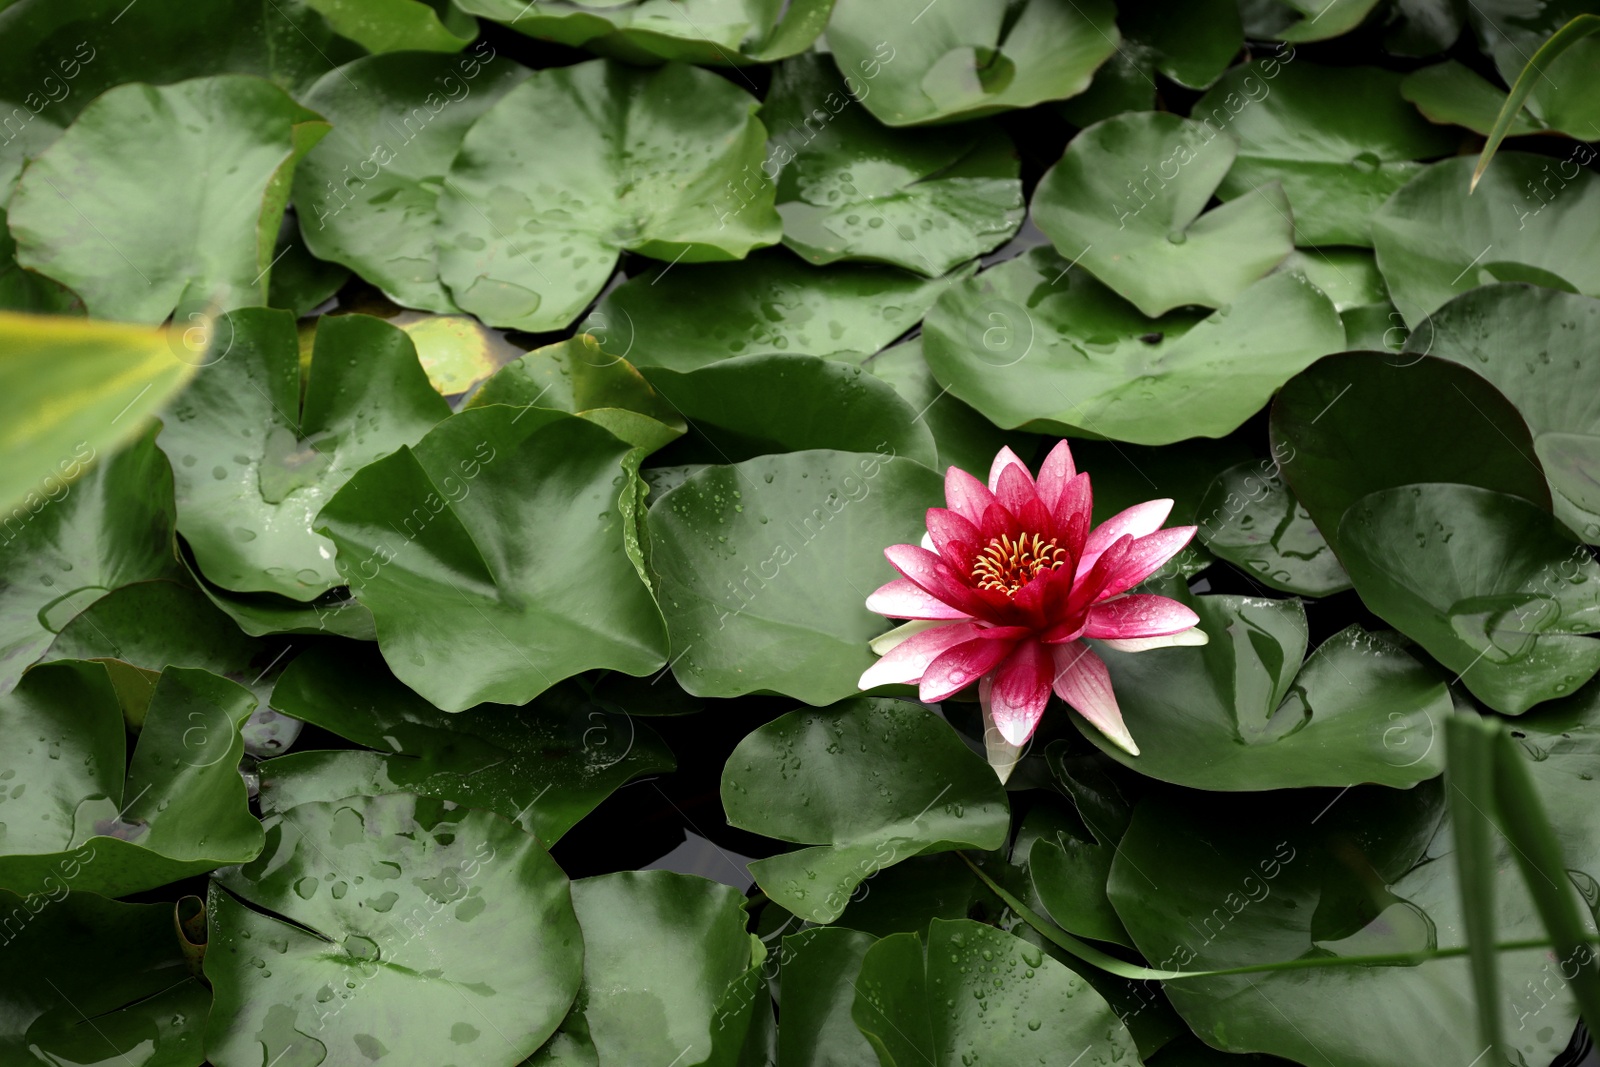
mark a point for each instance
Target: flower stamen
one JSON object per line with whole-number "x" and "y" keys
{"x": 1005, "y": 566}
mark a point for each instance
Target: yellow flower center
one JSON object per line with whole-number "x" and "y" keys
{"x": 1006, "y": 565}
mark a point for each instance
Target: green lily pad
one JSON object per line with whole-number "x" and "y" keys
{"x": 1038, "y": 344}
{"x": 1321, "y": 20}
{"x": 544, "y": 766}
{"x": 500, "y": 555}
{"x": 1340, "y": 140}
{"x": 1253, "y": 520}
{"x": 1433, "y": 241}
{"x": 1191, "y": 42}
{"x": 175, "y": 809}
{"x": 579, "y": 164}
{"x": 393, "y": 927}
{"x": 367, "y": 195}
{"x": 300, "y": 282}
{"x": 88, "y": 958}
{"x": 30, "y": 291}
{"x": 764, "y": 568}
{"x": 917, "y": 64}
{"x": 578, "y": 376}
{"x": 396, "y": 25}
{"x": 688, "y": 317}
{"x": 55, "y": 58}
{"x": 1488, "y": 583}
{"x": 647, "y": 31}
{"x": 849, "y": 188}
{"x": 962, "y": 437}
{"x": 1367, "y": 872}
{"x": 1349, "y": 276}
{"x": 253, "y": 462}
{"x": 1126, "y": 202}
{"x": 1068, "y": 876}
{"x": 262, "y": 614}
{"x": 158, "y": 624}
{"x": 96, "y": 196}
{"x": 1452, "y": 93}
{"x": 73, "y": 389}
{"x": 818, "y": 989}
{"x": 976, "y": 987}
{"x": 1241, "y": 713}
{"x": 751, "y": 405}
{"x": 661, "y": 952}
{"x": 1534, "y": 345}
{"x": 868, "y": 783}
{"x": 61, "y": 553}
{"x": 1361, "y": 421}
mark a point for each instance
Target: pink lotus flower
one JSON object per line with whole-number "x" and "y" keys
{"x": 1010, "y": 581}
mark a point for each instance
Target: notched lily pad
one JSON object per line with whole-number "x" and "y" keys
{"x": 1040, "y": 344}
{"x": 254, "y": 462}
{"x": 106, "y": 823}
{"x": 1251, "y": 518}
{"x": 543, "y": 766}
{"x": 869, "y": 783}
{"x": 398, "y": 927}
{"x": 1242, "y": 713}
{"x": 1488, "y": 583}
{"x": 1126, "y": 200}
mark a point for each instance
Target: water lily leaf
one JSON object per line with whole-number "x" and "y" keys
{"x": 576, "y": 375}
{"x": 1144, "y": 236}
{"x": 57, "y": 58}
{"x": 578, "y": 164}
{"x": 398, "y": 25}
{"x": 1322, "y": 20}
{"x": 1369, "y": 871}
{"x": 1339, "y": 139}
{"x": 750, "y": 405}
{"x": 398, "y": 927}
{"x": 962, "y": 437}
{"x": 1349, "y": 276}
{"x": 495, "y": 556}
{"x": 253, "y": 462}
{"x": 456, "y": 351}
{"x": 62, "y": 552}
{"x": 176, "y": 809}
{"x": 158, "y": 624}
{"x": 74, "y": 389}
{"x": 1068, "y": 876}
{"x": 1241, "y": 713}
{"x": 685, "y": 318}
{"x": 1489, "y": 330}
{"x": 1254, "y": 521}
{"x": 869, "y": 783}
{"x": 819, "y": 973}
{"x": 544, "y": 766}
{"x": 963, "y": 61}
{"x": 116, "y": 964}
{"x": 661, "y": 950}
{"x": 1488, "y": 583}
{"x": 849, "y": 188}
{"x": 1452, "y": 93}
{"x": 367, "y": 195}
{"x": 1434, "y": 242}
{"x": 98, "y": 195}
{"x": 1039, "y": 344}
{"x": 764, "y": 568}
{"x": 978, "y": 987}
{"x": 648, "y": 31}
{"x": 262, "y": 614}
{"x": 1361, "y": 421}
{"x": 299, "y": 281}
{"x": 30, "y": 291}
